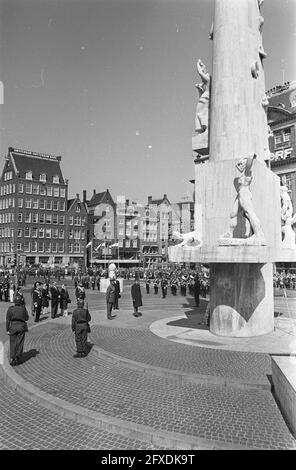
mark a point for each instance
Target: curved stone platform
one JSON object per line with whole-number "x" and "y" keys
{"x": 281, "y": 341}
{"x": 179, "y": 415}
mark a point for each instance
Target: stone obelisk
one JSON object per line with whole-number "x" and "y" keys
{"x": 237, "y": 195}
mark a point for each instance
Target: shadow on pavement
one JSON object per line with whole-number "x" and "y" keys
{"x": 28, "y": 355}
{"x": 195, "y": 316}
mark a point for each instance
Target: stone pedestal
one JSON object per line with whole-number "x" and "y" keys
{"x": 241, "y": 299}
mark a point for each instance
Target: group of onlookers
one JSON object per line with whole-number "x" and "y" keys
{"x": 284, "y": 280}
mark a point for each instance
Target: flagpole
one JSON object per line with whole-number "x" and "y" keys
{"x": 91, "y": 253}
{"x": 118, "y": 253}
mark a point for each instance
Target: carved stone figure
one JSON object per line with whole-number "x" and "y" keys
{"x": 261, "y": 23}
{"x": 202, "y": 108}
{"x": 255, "y": 69}
{"x": 262, "y": 53}
{"x": 189, "y": 239}
{"x": 288, "y": 220}
{"x": 243, "y": 203}
{"x": 265, "y": 101}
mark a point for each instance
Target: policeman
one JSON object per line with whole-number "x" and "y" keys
{"x": 80, "y": 327}
{"x": 16, "y": 327}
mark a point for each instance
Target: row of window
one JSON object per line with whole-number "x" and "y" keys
{"x": 42, "y": 177}
{"x": 34, "y": 188}
{"x": 40, "y": 232}
{"x": 6, "y": 232}
{"x": 41, "y": 247}
{"x": 6, "y": 218}
{"x": 7, "y": 189}
{"x": 6, "y": 203}
{"x": 77, "y": 220}
{"x": 281, "y": 136}
{"x": 42, "y": 204}
{"x": 8, "y": 175}
{"x": 35, "y": 218}
{"x": 75, "y": 248}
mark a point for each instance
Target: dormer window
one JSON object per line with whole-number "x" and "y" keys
{"x": 29, "y": 175}
{"x": 56, "y": 179}
{"x": 42, "y": 177}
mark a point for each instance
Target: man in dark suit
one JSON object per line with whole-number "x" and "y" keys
{"x": 137, "y": 297}
{"x": 16, "y": 327}
{"x": 80, "y": 327}
{"x": 117, "y": 294}
{"x": 55, "y": 299}
{"x": 110, "y": 298}
{"x": 37, "y": 301}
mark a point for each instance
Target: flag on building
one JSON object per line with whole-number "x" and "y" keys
{"x": 114, "y": 244}
{"x": 89, "y": 244}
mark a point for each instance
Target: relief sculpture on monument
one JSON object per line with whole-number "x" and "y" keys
{"x": 288, "y": 220}
{"x": 243, "y": 211}
{"x": 202, "y": 108}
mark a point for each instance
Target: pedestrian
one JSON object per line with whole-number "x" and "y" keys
{"x": 164, "y": 287}
{"x": 45, "y": 298}
{"x": 64, "y": 300}
{"x": 80, "y": 292}
{"x": 110, "y": 298}
{"x": 55, "y": 299}
{"x": 136, "y": 296}
{"x": 80, "y": 326}
{"x": 147, "y": 286}
{"x": 20, "y": 295}
{"x": 16, "y": 327}
{"x": 156, "y": 286}
{"x": 11, "y": 292}
{"x": 37, "y": 301}
{"x": 117, "y": 294}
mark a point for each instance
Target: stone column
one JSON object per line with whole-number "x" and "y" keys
{"x": 238, "y": 117}
{"x": 241, "y": 293}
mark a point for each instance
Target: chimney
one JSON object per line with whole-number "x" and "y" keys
{"x": 164, "y": 196}
{"x": 77, "y": 195}
{"x": 127, "y": 202}
{"x": 149, "y": 199}
{"x": 94, "y": 192}
{"x": 84, "y": 195}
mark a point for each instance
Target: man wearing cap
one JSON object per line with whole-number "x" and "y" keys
{"x": 16, "y": 327}
{"x": 80, "y": 327}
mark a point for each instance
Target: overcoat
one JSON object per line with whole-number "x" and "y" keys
{"x": 136, "y": 295}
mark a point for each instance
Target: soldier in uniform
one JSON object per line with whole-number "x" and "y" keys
{"x": 80, "y": 326}
{"x": 37, "y": 301}
{"x": 16, "y": 327}
{"x": 55, "y": 298}
{"x": 164, "y": 287}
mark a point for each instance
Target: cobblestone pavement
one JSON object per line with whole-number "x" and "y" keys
{"x": 249, "y": 418}
{"x": 27, "y": 426}
{"x": 235, "y": 416}
{"x": 144, "y": 346}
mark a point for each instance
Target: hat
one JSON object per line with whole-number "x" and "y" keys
{"x": 18, "y": 300}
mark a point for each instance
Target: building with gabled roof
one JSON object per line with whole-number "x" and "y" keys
{"x": 76, "y": 232}
{"x": 33, "y": 205}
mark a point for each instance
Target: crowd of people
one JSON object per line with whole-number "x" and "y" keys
{"x": 284, "y": 280}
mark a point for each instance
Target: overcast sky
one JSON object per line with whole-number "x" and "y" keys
{"x": 109, "y": 85}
